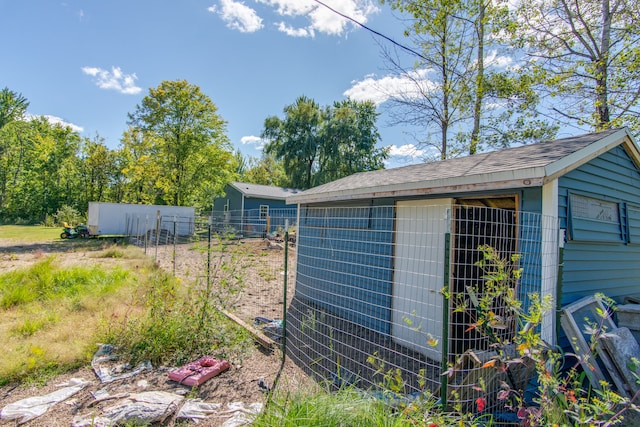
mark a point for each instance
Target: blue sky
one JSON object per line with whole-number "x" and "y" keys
{"x": 88, "y": 63}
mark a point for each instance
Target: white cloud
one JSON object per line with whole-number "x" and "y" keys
{"x": 499, "y": 61}
{"x": 114, "y": 79}
{"x": 238, "y": 16}
{"x": 295, "y": 32}
{"x": 54, "y": 120}
{"x": 253, "y": 140}
{"x": 407, "y": 150}
{"x": 412, "y": 85}
{"x": 320, "y": 19}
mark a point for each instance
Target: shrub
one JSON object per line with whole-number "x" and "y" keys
{"x": 69, "y": 215}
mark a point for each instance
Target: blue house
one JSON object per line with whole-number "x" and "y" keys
{"x": 253, "y": 207}
{"x": 377, "y": 248}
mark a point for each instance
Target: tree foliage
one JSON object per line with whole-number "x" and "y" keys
{"x": 586, "y": 56}
{"x": 38, "y": 167}
{"x": 13, "y": 106}
{"x": 464, "y": 102}
{"x": 317, "y": 145}
{"x": 188, "y": 143}
{"x": 266, "y": 170}
{"x": 178, "y": 152}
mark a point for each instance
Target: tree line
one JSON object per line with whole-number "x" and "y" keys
{"x": 484, "y": 74}
{"x": 175, "y": 151}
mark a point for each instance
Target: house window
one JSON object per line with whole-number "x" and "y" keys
{"x": 593, "y": 219}
{"x": 264, "y": 211}
{"x": 594, "y": 209}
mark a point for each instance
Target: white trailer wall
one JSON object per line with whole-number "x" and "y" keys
{"x": 122, "y": 218}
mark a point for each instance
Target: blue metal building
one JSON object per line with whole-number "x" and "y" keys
{"x": 583, "y": 194}
{"x": 247, "y": 206}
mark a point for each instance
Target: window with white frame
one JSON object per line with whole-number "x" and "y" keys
{"x": 264, "y": 211}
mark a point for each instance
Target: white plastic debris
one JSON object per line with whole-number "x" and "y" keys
{"x": 32, "y": 407}
{"x": 243, "y": 413}
{"x": 91, "y": 422}
{"x": 195, "y": 409}
{"x": 147, "y": 406}
{"x": 104, "y": 364}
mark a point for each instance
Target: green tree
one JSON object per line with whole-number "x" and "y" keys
{"x": 13, "y": 106}
{"x": 190, "y": 144}
{"x": 349, "y": 137}
{"x": 266, "y": 170}
{"x": 317, "y": 145}
{"x": 464, "y": 102}
{"x": 42, "y": 166}
{"x": 139, "y": 167}
{"x": 296, "y": 140}
{"x": 440, "y": 98}
{"x": 585, "y": 55}
{"x": 97, "y": 166}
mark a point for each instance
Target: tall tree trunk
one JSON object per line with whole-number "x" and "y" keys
{"x": 444, "y": 122}
{"x": 477, "y": 106}
{"x": 602, "y": 90}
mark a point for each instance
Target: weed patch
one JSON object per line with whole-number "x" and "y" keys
{"x": 176, "y": 327}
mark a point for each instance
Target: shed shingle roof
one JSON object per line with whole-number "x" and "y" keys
{"x": 522, "y": 166}
{"x": 264, "y": 191}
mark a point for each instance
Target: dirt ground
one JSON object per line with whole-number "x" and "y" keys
{"x": 238, "y": 384}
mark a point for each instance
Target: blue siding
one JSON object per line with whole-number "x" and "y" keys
{"x": 345, "y": 263}
{"x": 233, "y": 196}
{"x": 247, "y": 218}
{"x": 599, "y": 257}
{"x": 531, "y": 200}
{"x": 255, "y": 203}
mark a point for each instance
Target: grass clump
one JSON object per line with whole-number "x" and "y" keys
{"x": 350, "y": 407}
{"x": 45, "y": 282}
{"x": 49, "y": 315}
{"x": 179, "y": 324}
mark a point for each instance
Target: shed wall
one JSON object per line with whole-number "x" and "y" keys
{"x": 598, "y": 255}
{"x": 345, "y": 262}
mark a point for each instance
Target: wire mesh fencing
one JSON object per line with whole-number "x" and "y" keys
{"x": 391, "y": 297}
{"x": 241, "y": 262}
{"x": 380, "y": 297}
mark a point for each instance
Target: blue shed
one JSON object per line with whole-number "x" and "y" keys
{"x": 250, "y": 207}
{"x": 376, "y": 248}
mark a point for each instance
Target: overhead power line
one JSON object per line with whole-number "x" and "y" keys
{"x": 371, "y": 30}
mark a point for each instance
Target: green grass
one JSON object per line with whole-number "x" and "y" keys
{"x": 44, "y": 282}
{"x": 52, "y": 317}
{"x": 49, "y": 316}
{"x": 351, "y": 407}
{"x": 179, "y": 325}
{"x": 30, "y": 233}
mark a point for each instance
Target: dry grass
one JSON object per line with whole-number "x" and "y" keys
{"x": 57, "y": 333}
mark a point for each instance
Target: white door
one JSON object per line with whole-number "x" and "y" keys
{"x": 419, "y": 274}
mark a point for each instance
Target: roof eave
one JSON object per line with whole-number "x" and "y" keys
{"x": 590, "y": 152}
{"x": 530, "y": 177}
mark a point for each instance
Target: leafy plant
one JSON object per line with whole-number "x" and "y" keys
{"x": 562, "y": 396}
{"x": 69, "y": 215}
{"x": 180, "y": 323}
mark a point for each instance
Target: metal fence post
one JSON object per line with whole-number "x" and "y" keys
{"x": 209, "y": 257}
{"x": 175, "y": 219}
{"x": 286, "y": 274}
{"x": 445, "y": 321}
{"x": 158, "y": 219}
{"x": 146, "y": 234}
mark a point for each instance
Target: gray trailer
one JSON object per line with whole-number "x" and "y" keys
{"x": 123, "y": 219}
